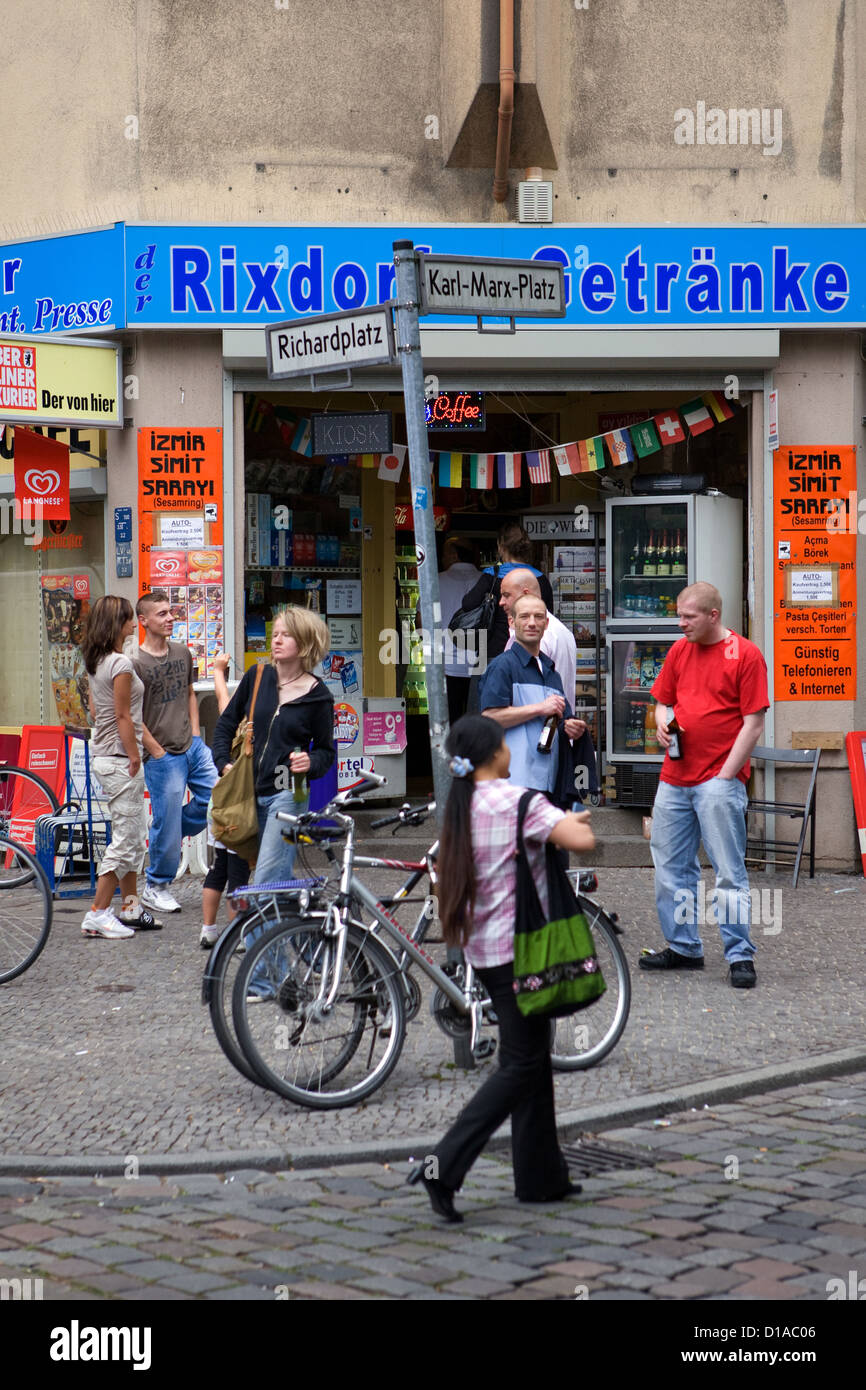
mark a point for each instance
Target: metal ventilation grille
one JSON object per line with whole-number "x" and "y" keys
{"x": 535, "y": 201}
{"x": 588, "y": 1157}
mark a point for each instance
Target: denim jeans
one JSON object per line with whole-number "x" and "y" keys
{"x": 167, "y": 778}
{"x": 275, "y": 864}
{"x": 715, "y": 812}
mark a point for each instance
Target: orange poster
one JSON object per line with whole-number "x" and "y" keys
{"x": 815, "y": 584}
{"x": 180, "y": 507}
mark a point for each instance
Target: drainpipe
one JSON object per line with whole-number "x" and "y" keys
{"x": 506, "y": 99}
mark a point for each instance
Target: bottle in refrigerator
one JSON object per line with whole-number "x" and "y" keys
{"x": 633, "y": 669}
{"x": 648, "y": 670}
{"x": 663, "y": 559}
{"x": 651, "y": 733}
{"x": 678, "y": 562}
{"x": 650, "y": 563}
{"x": 636, "y": 562}
{"x": 634, "y": 731}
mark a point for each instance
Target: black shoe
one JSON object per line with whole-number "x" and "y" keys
{"x": 572, "y": 1189}
{"x": 670, "y": 960}
{"x": 743, "y": 974}
{"x": 441, "y": 1197}
{"x": 145, "y": 921}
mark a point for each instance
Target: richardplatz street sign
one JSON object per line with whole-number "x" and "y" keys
{"x": 330, "y": 342}
{"x": 501, "y": 288}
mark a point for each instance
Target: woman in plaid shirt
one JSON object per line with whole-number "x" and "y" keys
{"x": 477, "y": 906}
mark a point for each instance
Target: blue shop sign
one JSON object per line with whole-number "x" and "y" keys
{"x": 615, "y": 277}
{"x": 630, "y": 277}
{"x": 63, "y": 284}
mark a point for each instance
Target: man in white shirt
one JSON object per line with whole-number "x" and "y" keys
{"x": 557, "y": 643}
{"x": 456, "y": 578}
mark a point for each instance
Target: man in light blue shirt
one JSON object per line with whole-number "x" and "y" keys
{"x": 521, "y": 690}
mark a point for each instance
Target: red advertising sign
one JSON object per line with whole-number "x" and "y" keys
{"x": 41, "y": 752}
{"x": 167, "y": 567}
{"x": 404, "y": 518}
{"x": 41, "y": 475}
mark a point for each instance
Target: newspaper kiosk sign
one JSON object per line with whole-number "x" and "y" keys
{"x": 330, "y": 342}
{"x": 499, "y": 288}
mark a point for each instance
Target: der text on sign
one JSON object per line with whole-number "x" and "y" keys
{"x": 469, "y": 285}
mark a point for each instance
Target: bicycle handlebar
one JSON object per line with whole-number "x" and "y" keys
{"x": 407, "y": 815}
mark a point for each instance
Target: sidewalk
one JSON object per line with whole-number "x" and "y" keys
{"x": 108, "y": 1052}
{"x": 760, "y": 1200}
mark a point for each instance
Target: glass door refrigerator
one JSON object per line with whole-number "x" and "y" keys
{"x": 655, "y": 547}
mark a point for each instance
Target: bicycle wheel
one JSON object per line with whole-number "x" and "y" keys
{"x": 218, "y": 981}
{"x": 320, "y": 1061}
{"x": 26, "y": 909}
{"x": 584, "y": 1038}
{"x": 23, "y": 797}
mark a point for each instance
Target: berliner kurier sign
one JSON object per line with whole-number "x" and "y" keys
{"x": 58, "y": 382}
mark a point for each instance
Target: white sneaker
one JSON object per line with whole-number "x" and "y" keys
{"x": 209, "y": 937}
{"x": 105, "y": 924}
{"x": 157, "y": 897}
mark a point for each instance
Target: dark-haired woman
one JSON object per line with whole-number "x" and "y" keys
{"x": 477, "y": 906}
{"x": 115, "y": 703}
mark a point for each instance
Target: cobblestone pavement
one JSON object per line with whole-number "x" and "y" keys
{"x": 760, "y": 1200}
{"x": 107, "y": 1050}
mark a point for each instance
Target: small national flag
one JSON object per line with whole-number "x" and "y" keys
{"x": 508, "y": 470}
{"x": 669, "y": 427}
{"x": 718, "y": 404}
{"x": 369, "y": 460}
{"x": 595, "y": 453}
{"x": 585, "y": 465}
{"x": 619, "y": 447}
{"x": 481, "y": 471}
{"x": 644, "y": 438}
{"x": 303, "y": 440}
{"x": 450, "y": 470}
{"x": 696, "y": 416}
{"x": 567, "y": 459}
{"x": 391, "y": 465}
{"x": 538, "y": 465}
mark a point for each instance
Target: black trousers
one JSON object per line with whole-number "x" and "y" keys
{"x": 522, "y": 1087}
{"x": 457, "y": 688}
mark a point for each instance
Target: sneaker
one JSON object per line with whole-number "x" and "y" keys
{"x": 209, "y": 937}
{"x": 743, "y": 974}
{"x": 104, "y": 923}
{"x": 670, "y": 960}
{"x": 157, "y": 896}
{"x": 139, "y": 920}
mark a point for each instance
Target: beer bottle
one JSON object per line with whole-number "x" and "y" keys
{"x": 548, "y": 733}
{"x": 650, "y": 732}
{"x": 299, "y": 782}
{"x": 674, "y": 751}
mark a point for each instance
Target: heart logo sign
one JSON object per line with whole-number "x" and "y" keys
{"x": 165, "y": 566}
{"x": 41, "y": 482}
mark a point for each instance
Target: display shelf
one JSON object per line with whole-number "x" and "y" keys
{"x": 630, "y": 578}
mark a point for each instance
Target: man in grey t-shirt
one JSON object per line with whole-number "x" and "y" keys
{"x": 175, "y": 756}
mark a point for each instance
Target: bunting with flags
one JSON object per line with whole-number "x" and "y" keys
{"x": 481, "y": 471}
{"x": 302, "y": 443}
{"x": 538, "y": 466}
{"x": 669, "y": 427}
{"x": 595, "y": 453}
{"x": 718, "y": 405}
{"x": 696, "y": 416}
{"x": 391, "y": 465}
{"x": 567, "y": 458}
{"x": 645, "y": 439}
{"x": 508, "y": 470}
{"x": 619, "y": 447}
{"x": 450, "y": 470}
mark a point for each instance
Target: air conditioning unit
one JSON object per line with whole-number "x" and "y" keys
{"x": 534, "y": 198}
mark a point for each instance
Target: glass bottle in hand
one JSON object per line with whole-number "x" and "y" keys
{"x": 299, "y": 782}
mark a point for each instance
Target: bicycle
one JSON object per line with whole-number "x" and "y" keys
{"x": 271, "y": 904}
{"x": 26, "y": 909}
{"x": 336, "y": 1002}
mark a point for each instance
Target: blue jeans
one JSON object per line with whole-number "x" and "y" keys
{"x": 275, "y": 864}
{"x": 715, "y": 812}
{"x": 167, "y": 778}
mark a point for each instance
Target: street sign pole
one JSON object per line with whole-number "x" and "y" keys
{"x": 409, "y": 348}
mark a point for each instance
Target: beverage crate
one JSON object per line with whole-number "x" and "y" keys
{"x": 637, "y": 783}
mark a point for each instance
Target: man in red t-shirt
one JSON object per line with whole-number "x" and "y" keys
{"x": 716, "y": 683}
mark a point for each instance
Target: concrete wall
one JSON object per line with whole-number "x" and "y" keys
{"x": 290, "y": 111}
